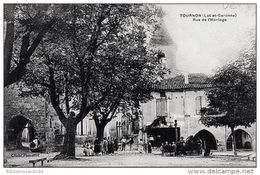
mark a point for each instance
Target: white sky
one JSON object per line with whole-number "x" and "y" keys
{"x": 204, "y": 46}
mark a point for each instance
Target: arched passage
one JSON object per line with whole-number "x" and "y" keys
{"x": 207, "y": 139}
{"x": 243, "y": 140}
{"x": 20, "y": 132}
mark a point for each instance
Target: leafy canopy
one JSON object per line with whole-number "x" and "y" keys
{"x": 95, "y": 55}
{"x": 234, "y": 94}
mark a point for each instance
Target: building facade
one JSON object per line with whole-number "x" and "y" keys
{"x": 181, "y": 98}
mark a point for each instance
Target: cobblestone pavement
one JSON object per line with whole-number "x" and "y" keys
{"x": 135, "y": 159}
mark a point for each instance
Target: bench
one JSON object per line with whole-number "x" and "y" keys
{"x": 37, "y": 160}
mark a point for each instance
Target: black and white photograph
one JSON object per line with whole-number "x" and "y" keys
{"x": 95, "y": 85}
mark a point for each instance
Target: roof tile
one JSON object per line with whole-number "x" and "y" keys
{"x": 196, "y": 81}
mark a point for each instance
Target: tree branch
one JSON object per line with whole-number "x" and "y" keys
{"x": 40, "y": 35}
{"x": 113, "y": 111}
{"x": 67, "y": 94}
{"x": 54, "y": 96}
{"x": 25, "y": 54}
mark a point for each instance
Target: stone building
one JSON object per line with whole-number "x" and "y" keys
{"x": 181, "y": 98}
{"x": 26, "y": 118}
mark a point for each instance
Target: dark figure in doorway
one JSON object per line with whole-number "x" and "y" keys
{"x": 199, "y": 146}
{"x": 207, "y": 150}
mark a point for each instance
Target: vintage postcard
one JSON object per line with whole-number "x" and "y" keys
{"x": 129, "y": 85}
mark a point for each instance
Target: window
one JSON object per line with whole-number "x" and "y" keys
{"x": 200, "y": 103}
{"x": 161, "y": 107}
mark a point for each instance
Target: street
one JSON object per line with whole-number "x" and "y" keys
{"x": 135, "y": 159}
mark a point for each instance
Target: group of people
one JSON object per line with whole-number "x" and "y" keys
{"x": 101, "y": 147}
{"x": 193, "y": 145}
{"x": 146, "y": 147}
{"x": 173, "y": 148}
{"x": 168, "y": 148}
{"x": 109, "y": 146}
{"x": 124, "y": 142}
{"x": 88, "y": 149}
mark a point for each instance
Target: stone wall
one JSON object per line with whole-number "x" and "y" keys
{"x": 35, "y": 109}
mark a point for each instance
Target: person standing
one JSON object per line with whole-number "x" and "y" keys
{"x": 96, "y": 146}
{"x": 166, "y": 147}
{"x": 105, "y": 145}
{"x": 115, "y": 145}
{"x": 86, "y": 150}
{"x": 181, "y": 147}
{"x": 162, "y": 148}
{"x": 131, "y": 143}
{"x": 110, "y": 145}
{"x": 140, "y": 146}
{"x": 149, "y": 147}
{"x": 123, "y": 143}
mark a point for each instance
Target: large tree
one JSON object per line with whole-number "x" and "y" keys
{"x": 71, "y": 65}
{"x": 132, "y": 69}
{"x": 232, "y": 101}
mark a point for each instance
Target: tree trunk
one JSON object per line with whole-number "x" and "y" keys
{"x": 68, "y": 150}
{"x": 234, "y": 141}
{"x": 100, "y": 130}
{"x": 9, "y": 39}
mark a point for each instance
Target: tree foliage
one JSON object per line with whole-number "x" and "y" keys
{"x": 232, "y": 101}
{"x": 95, "y": 56}
{"x": 25, "y": 27}
{"x": 234, "y": 93}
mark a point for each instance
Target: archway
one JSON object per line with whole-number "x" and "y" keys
{"x": 207, "y": 139}
{"x": 20, "y": 132}
{"x": 243, "y": 140}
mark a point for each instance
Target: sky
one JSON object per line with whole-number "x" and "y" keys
{"x": 203, "y": 46}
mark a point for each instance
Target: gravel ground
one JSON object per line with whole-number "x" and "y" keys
{"x": 135, "y": 159}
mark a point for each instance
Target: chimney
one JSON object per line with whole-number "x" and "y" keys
{"x": 186, "y": 78}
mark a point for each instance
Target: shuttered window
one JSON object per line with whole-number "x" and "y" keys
{"x": 161, "y": 107}
{"x": 200, "y": 103}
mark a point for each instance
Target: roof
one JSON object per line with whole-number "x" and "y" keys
{"x": 177, "y": 83}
